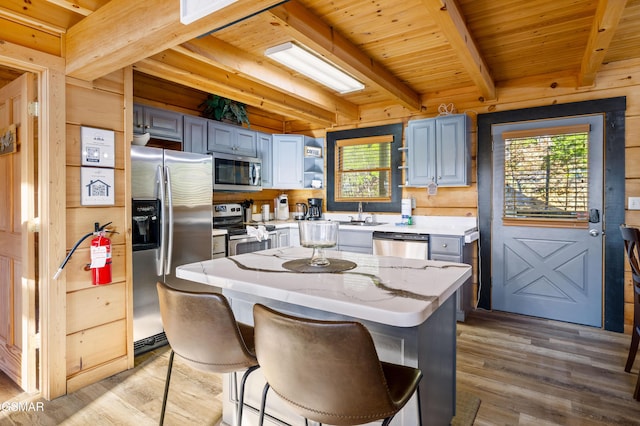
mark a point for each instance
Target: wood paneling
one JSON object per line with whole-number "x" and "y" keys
{"x": 92, "y": 307}
{"x": 97, "y": 316}
{"x": 94, "y": 346}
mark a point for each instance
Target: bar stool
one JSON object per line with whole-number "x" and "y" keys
{"x": 631, "y": 237}
{"x": 329, "y": 371}
{"x": 202, "y": 331}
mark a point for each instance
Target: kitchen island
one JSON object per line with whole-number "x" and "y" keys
{"x": 406, "y": 304}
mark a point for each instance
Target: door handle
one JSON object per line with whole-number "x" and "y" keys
{"x": 594, "y": 232}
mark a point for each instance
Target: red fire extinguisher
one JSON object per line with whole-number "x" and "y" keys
{"x": 100, "y": 258}
{"x": 100, "y": 255}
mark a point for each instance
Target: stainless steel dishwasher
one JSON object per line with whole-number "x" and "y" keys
{"x": 412, "y": 246}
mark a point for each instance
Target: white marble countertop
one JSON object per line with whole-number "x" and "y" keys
{"x": 459, "y": 226}
{"x": 388, "y": 290}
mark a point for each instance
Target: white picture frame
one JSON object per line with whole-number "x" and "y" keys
{"x": 97, "y": 186}
{"x": 98, "y": 147}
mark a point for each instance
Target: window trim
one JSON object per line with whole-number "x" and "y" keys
{"x": 395, "y": 130}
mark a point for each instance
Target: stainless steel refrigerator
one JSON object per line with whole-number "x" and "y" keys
{"x": 171, "y": 225}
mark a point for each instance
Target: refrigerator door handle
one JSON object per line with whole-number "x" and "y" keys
{"x": 167, "y": 269}
{"x": 160, "y": 187}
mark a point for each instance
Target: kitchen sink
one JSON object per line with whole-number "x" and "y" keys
{"x": 359, "y": 223}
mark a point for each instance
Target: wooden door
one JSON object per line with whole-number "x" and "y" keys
{"x": 547, "y": 246}
{"x": 17, "y": 243}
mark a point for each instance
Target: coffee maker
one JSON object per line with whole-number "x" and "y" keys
{"x": 315, "y": 209}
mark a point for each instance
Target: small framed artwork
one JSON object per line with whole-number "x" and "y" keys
{"x": 98, "y": 147}
{"x": 97, "y": 186}
{"x": 8, "y": 141}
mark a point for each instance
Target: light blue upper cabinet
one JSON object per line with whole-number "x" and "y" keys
{"x": 231, "y": 139}
{"x": 288, "y": 161}
{"x": 195, "y": 134}
{"x": 159, "y": 123}
{"x": 265, "y": 151}
{"x": 438, "y": 150}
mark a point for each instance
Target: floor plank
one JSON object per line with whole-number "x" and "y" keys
{"x": 526, "y": 371}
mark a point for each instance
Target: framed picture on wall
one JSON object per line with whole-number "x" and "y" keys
{"x": 97, "y": 186}
{"x": 8, "y": 141}
{"x": 98, "y": 147}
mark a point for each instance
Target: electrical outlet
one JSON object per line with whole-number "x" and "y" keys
{"x": 634, "y": 203}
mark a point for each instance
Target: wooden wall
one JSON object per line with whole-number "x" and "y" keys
{"x": 98, "y": 323}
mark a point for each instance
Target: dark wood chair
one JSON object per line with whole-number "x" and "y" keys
{"x": 202, "y": 331}
{"x": 329, "y": 371}
{"x": 631, "y": 237}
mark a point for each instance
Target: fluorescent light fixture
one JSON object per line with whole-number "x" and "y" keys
{"x": 191, "y": 10}
{"x": 311, "y": 65}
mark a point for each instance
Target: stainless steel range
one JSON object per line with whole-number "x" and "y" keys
{"x": 231, "y": 218}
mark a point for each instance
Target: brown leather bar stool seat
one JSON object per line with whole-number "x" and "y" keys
{"x": 329, "y": 371}
{"x": 631, "y": 237}
{"x": 203, "y": 332}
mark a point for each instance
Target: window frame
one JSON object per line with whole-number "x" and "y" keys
{"x": 395, "y": 130}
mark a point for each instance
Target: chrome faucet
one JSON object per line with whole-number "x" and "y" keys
{"x": 360, "y": 211}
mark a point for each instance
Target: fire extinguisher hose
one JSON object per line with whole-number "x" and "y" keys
{"x": 98, "y": 229}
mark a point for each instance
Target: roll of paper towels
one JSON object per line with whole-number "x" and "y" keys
{"x": 405, "y": 207}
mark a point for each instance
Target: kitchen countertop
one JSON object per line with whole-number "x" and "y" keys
{"x": 436, "y": 225}
{"x": 389, "y": 290}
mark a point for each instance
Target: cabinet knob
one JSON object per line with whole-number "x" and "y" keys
{"x": 146, "y": 127}
{"x": 444, "y": 245}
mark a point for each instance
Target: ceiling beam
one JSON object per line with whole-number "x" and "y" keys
{"x": 123, "y": 31}
{"x": 311, "y": 31}
{"x": 448, "y": 17}
{"x": 172, "y": 66}
{"x": 226, "y": 56}
{"x": 74, "y": 6}
{"x": 605, "y": 23}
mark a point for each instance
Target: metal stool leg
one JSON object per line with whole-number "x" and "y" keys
{"x": 166, "y": 388}
{"x": 245, "y": 376}
{"x": 263, "y": 403}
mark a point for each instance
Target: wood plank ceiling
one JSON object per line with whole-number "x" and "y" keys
{"x": 403, "y": 51}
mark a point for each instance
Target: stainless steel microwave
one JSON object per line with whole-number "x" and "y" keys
{"x": 236, "y": 173}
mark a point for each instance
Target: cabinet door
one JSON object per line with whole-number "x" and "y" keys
{"x": 287, "y": 161}
{"x": 245, "y": 142}
{"x": 283, "y": 238}
{"x": 265, "y": 151}
{"x": 195, "y": 134}
{"x": 163, "y": 124}
{"x": 220, "y": 137}
{"x": 452, "y": 153}
{"x": 421, "y": 153}
{"x": 138, "y": 119}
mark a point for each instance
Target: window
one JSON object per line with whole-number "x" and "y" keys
{"x": 546, "y": 173}
{"x": 363, "y": 166}
{"x": 363, "y": 169}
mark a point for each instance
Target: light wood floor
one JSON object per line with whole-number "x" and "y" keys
{"x": 531, "y": 371}
{"x": 526, "y": 371}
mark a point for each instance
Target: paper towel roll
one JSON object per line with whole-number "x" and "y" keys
{"x": 405, "y": 207}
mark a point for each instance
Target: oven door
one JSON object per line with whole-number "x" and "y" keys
{"x": 246, "y": 244}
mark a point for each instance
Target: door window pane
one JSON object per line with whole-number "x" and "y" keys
{"x": 546, "y": 174}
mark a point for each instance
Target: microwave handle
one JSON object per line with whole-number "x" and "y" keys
{"x": 255, "y": 174}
